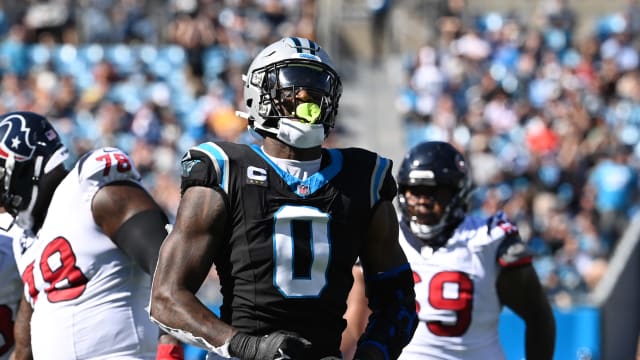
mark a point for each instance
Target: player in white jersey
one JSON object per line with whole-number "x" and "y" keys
{"x": 86, "y": 272}
{"x": 10, "y": 285}
{"x": 465, "y": 267}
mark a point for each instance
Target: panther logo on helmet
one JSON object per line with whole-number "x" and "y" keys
{"x": 16, "y": 138}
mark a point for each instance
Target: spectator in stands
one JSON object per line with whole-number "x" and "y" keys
{"x": 379, "y": 12}
{"x": 195, "y": 30}
{"x": 615, "y": 187}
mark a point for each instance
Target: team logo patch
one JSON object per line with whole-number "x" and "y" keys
{"x": 188, "y": 165}
{"x": 15, "y": 138}
{"x": 303, "y": 190}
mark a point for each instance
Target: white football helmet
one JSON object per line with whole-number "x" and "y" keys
{"x": 275, "y": 76}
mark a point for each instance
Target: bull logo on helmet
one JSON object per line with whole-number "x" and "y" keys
{"x": 15, "y": 138}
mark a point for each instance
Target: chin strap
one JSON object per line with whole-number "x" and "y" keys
{"x": 24, "y": 219}
{"x": 8, "y": 173}
{"x": 425, "y": 232}
{"x": 242, "y": 114}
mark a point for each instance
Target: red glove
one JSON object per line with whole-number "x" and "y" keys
{"x": 170, "y": 352}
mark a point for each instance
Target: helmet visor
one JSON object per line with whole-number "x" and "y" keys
{"x": 305, "y": 76}
{"x": 302, "y": 92}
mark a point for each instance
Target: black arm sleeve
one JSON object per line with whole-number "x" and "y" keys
{"x": 393, "y": 321}
{"x": 140, "y": 237}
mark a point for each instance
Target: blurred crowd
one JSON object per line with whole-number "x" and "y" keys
{"x": 549, "y": 120}
{"x": 151, "y": 77}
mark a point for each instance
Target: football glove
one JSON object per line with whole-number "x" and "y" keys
{"x": 278, "y": 345}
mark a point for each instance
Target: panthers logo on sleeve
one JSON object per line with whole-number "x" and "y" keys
{"x": 200, "y": 169}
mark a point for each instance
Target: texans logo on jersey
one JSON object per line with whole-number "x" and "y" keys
{"x": 15, "y": 138}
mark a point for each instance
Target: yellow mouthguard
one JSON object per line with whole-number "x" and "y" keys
{"x": 308, "y": 111}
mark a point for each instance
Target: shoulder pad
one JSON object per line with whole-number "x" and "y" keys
{"x": 205, "y": 165}
{"x": 383, "y": 184}
{"x": 107, "y": 165}
{"x": 511, "y": 251}
{"x": 499, "y": 226}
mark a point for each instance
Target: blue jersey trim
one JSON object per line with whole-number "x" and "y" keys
{"x": 382, "y": 165}
{"x": 221, "y": 162}
{"x": 312, "y": 183}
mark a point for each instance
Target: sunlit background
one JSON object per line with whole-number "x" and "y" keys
{"x": 543, "y": 98}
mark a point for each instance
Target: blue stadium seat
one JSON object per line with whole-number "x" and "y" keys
{"x": 91, "y": 54}
{"x": 123, "y": 58}
{"x": 66, "y": 61}
{"x": 147, "y": 54}
{"x": 160, "y": 68}
{"x": 215, "y": 62}
{"x": 38, "y": 55}
{"x": 129, "y": 94}
{"x": 175, "y": 54}
{"x": 13, "y": 58}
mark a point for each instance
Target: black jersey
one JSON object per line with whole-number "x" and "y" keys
{"x": 292, "y": 243}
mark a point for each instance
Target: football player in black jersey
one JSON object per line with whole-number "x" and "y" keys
{"x": 284, "y": 223}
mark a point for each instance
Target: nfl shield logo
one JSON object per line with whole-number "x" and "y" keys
{"x": 303, "y": 190}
